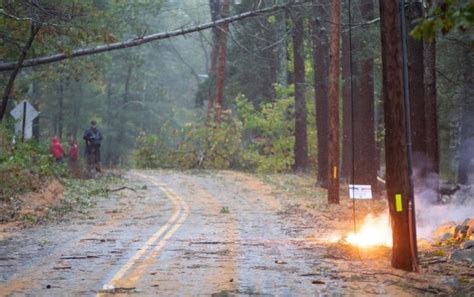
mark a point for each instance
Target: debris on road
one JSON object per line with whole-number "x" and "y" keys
{"x": 62, "y": 267}
{"x": 318, "y": 282}
{"x": 120, "y": 189}
{"x": 79, "y": 257}
{"x": 111, "y": 289}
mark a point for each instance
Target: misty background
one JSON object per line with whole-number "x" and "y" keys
{"x": 151, "y": 95}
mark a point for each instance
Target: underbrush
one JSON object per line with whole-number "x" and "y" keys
{"x": 76, "y": 195}
{"x": 27, "y": 170}
{"x": 24, "y": 166}
{"x": 248, "y": 137}
{"x": 307, "y": 197}
{"x": 196, "y": 145}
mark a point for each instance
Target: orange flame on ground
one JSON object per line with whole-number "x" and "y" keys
{"x": 375, "y": 231}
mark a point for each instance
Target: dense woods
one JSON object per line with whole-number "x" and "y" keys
{"x": 313, "y": 87}
{"x": 163, "y": 94}
{"x": 165, "y": 90}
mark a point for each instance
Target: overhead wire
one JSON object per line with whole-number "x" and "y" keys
{"x": 408, "y": 137}
{"x": 351, "y": 63}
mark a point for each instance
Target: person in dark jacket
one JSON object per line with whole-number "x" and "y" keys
{"x": 93, "y": 138}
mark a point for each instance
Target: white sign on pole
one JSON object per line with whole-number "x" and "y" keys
{"x": 24, "y": 110}
{"x": 361, "y": 192}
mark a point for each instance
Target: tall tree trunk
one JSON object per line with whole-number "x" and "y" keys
{"x": 11, "y": 82}
{"x": 109, "y": 117}
{"x": 60, "y": 108}
{"x": 431, "y": 115}
{"x": 399, "y": 192}
{"x": 321, "y": 73}
{"x": 221, "y": 62}
{"x": 76, "y": 108}
{"x": 333, "y": 107}
{"x": 414, "y": 11}
{"x": 121, "y": 139}
{"x": 36, "y": 121}
{"x": 347, "y": 146}
{"x": 466, "y": 152}
{"x": 301, "y": 138}
{"x": 219, "y": 10}
{"x": 364, "y": 148}
{"x": 214, "y": 6}
{"x": 282, "y": 53}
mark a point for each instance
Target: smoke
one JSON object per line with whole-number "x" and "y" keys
{"x": 430, "y": 213}
{"x": 429, "y": 216}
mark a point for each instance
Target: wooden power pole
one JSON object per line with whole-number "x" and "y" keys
{"x": 397, "y": 149}
{"x": 333, "y": 108}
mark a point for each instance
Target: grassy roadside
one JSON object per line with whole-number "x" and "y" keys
{"x": 55, "y": 199}
{"x": 307, "y": 196}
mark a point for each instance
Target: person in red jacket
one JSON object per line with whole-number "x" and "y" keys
{"x": 72, "y": 149}
{"x": 73, "y": 157}
{"x": 56, "y": 149}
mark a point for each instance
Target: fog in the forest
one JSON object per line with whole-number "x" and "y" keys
{"x": 152, "y": 102}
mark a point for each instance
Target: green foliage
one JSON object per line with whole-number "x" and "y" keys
{"x": 28, "y": 155}
{"x": 148, "y": 154}
{"x": 445, "y": 17}
{"x": 439, "y": 253}
{"x": 23, "y": 164}
{"x": 205, "y": 144}
{"x": 257, "y": 138}
{"x": 29, "y": 219}
{"x": 269, "y": 133}
{"x": 212, "y": 145}
{"x": 15, "y": 181}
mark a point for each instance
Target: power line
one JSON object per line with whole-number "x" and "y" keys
{"x": 408, "y": 138}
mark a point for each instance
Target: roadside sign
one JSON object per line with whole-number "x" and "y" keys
{"x": 24, "y": 113}
{"x": 361, "y": 192}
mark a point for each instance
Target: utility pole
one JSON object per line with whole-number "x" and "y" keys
{"x": 397, "y": 136}
{"x": 333, "y": 109}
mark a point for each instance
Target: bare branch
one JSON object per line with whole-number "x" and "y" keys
{"x": 2, "y": 11}
{"x": 141, "y": 40}
{"x": 8, "y": 89}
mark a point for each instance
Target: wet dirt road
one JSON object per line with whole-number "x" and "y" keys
{"x": 184, "y": 235}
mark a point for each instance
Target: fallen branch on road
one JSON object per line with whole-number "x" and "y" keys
{"x": 120, "y": 189}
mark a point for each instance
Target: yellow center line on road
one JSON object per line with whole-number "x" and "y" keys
{"x": 141, "y": 268}
{"x": 167, "y": 231}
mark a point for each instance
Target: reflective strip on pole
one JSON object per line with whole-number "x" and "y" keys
{"x": 398, "y": 203}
